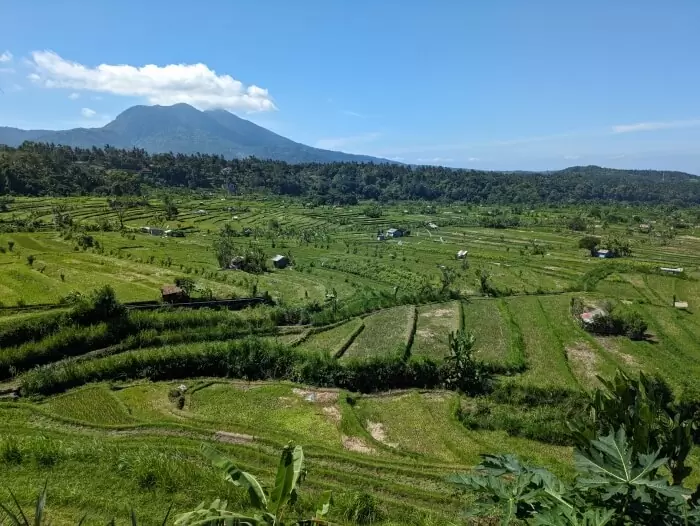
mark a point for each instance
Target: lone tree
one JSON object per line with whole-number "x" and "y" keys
{"x": 590, "y": 243}
{"x": 224, "y": 246}
{"x": 169, "y": 209}
{"x": 225, "y": 250}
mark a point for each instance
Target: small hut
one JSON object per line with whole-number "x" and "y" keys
{"x": 173, "y": 294}
{"x": 462, "y": 254}
{"x": 280, "y": 261}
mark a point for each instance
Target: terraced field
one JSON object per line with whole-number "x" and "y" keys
{"x": 117, "y": 411}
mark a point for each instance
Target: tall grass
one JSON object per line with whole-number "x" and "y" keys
{"x": 250, "y": 359}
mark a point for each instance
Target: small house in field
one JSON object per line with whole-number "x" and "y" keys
{"x": 173, "y": 294}
{"x": 681, "y": 305}
{"x": 381, "y": 237}
{"x": 280, "y": 261}
{"x": 604, "y": 253}
{"x": 145, "y": 229}
{"x": 645, "y": 227}
{"x": 589, "y": 316}
{"x": 432, "y": 225}
{"x": 174, "y": 233}
{"x": 157, "y": 231}
{"x": 200, "y": 212}
{"x": 669, "y": 270}
{"x": 462, "y": 254}
{"x": 394, "y": 232}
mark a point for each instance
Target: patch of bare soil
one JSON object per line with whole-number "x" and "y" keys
{"x": 610, "y": 346}
{"x": 333, "y": 413}
{"x": 437, "y": 313}
{"x": 435, "y": 395}
{"x": 376, "y": 429}
{"x": 357, "y": 445}
{"x": 583, "y": 360}
{"x": 425, "y": 333}
{"x": 318, "y": 396}
{"x": 232, "y": 438}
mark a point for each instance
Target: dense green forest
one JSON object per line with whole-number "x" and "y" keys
{"x": 35, "y": 169}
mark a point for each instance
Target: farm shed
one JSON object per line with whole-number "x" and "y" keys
{"x": 157, "y": 231}
{"x": 644, "y": 227}
{"x": 681, "y": 305}
{"x": 172, "y": 294}
{"x": 201, "y": 212}
{"x": 174, "y": 233}
{"x": 605, "y": 254}
{"x": 462, "y": 254}
{"x": 394, "y": 232}
{"x": 280, "y": 261}
{"x": 432, "y": 225}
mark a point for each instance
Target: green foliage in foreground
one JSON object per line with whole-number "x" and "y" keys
{"x": 634, "y": 436}
{"x": 271, "y": 505}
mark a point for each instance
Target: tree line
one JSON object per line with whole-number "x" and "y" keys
{"x": 37, "y": 169}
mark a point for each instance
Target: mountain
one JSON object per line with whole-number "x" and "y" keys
{"x": 184, "y": 129}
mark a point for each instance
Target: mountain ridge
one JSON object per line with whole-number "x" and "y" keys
{"x": 181, "y": 128}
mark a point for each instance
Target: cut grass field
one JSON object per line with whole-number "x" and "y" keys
{"x": 385, "y": 332}
{"x": 434, "y": 324}
{"x": 332, "y": 341}
{"x": 493, "y": 340}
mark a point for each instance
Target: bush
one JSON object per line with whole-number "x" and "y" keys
{"x": 249, "y": 359}
{"x": 46, "y": 452}
{"x": 362, "y": 508}
{"x": 10, "y": 451}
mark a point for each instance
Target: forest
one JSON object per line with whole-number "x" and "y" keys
{"x": 36, "y": 169}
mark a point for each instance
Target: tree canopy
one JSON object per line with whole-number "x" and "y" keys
{"x": 36, "y": 169}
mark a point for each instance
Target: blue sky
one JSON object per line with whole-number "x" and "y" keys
{"x": 495, "y": 84}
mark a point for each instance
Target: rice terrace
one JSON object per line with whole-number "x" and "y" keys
{"x": 397, "y": 341}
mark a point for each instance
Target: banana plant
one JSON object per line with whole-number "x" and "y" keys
{"x": 271, "y": 506}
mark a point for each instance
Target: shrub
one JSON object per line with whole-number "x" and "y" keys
{"x": 46, "y": 452}
{"x": 362, "y": 508}
{"x": 10, "y": 451}
{"x": 30, "y": 259}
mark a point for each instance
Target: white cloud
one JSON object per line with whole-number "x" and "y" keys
{"x": 346, "y": 142}
{"x": 193, "y": 84}
{"x": 354, "y": 114}
{"x": 7, "y": 71}
{"x": 74, "y": 96}
{"x": 572, "y": 157}
{"x": 473, "y": 159}
{"x": 652, "y": 126}
{"x": 5, "y": 56}
{"x": 88, "y": 113}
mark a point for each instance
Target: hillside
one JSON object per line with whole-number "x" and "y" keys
{"x": 41, "y": 169}
{"x": 184, "y": 129}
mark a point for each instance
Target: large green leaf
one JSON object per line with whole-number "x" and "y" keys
{"x": 288, "y": 473}
{"x": 238, "y": 477}
{"x": 609, "y": 464}
{"x": 563, "y": 516}
{"x": 323, "y": 505}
